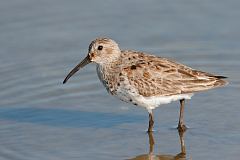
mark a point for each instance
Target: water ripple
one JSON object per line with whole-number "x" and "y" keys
{"x": 66, "y": 118}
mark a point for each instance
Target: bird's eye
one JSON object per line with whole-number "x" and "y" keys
{"x": 100, "y": 48}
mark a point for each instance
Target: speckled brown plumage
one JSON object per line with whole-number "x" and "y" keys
{"x": 144, "y": 79}
{"x": 157, "y": 76}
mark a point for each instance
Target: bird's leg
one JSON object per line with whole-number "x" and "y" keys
{"x": 151, "y": 122}
{"x": 181, "y": 126}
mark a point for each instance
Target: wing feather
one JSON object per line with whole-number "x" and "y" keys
{"x": 153, "y": 75}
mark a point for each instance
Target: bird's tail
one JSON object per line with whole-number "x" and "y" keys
{"x": 220, "y": 82}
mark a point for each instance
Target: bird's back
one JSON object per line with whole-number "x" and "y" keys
{"x": 152, "y": 75}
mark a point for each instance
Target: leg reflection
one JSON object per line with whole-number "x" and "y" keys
{"x": 151, "y": 155}
{"x": 182, "y": 154}
{"x": 151, "y": 142}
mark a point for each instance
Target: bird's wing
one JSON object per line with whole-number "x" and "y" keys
{"x": 153, "y": 75}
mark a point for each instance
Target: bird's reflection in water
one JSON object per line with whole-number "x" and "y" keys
{"x": 152, "y": 156}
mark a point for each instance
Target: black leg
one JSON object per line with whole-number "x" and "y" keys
{"x": 151, "y": 122}
{"x": 181, "y": 126}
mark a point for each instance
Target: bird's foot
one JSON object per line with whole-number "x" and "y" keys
{"x": 182, "y": 127}
{"x": 150, "y": 130}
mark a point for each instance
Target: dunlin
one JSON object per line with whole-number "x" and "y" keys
{"x": 145, "y": 80}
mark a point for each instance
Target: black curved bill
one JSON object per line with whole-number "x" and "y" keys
{"x": 79, "y": 66}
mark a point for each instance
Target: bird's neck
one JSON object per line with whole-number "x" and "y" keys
{"x": 110, "y": 62}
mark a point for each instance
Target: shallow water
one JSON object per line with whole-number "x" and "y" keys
{"x": 42, "y": 40}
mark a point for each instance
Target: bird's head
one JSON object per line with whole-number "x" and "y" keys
{"x": 101, "y": 51}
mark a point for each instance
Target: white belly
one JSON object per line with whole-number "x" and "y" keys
{"x": 131, "y": 95}
{"x": 155, "y": 101}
